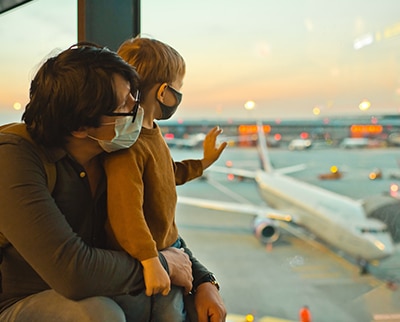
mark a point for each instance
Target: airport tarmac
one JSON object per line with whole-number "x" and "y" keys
{"x": 277, "y": 282}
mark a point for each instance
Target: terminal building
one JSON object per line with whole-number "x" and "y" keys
{"x": 382, "y": 129}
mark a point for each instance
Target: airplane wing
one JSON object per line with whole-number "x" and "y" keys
{"x": 252, "y": 174}
{"x": 238, "y": 172}
{"x": 267, "y": 221}
{"x": 249, "y": 209}
{"x": 291, "y": 169}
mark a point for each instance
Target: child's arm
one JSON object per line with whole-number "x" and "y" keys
{"x": 156, "y": 278}
{"x": 211, "y": 151}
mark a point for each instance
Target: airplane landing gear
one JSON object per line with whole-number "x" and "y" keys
{"x": 364, "y": 266}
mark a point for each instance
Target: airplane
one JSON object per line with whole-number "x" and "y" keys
{"x": 335, "y": 219}
{"x": 350, "y": 143}
{"x": 189, "y": 142}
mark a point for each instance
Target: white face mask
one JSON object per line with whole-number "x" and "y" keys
{"x": 126, "y": 133}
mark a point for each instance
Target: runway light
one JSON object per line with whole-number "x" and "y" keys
{"x": 334, "y": 169}
{"x": 249, "y": 318}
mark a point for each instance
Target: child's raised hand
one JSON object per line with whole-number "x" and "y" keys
{"x": 211, "y": 151}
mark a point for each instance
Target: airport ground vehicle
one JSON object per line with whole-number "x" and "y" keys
{"x": 300, "y": 144}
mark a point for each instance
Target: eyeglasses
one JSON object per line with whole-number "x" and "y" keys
{"x": 131, "y": 113}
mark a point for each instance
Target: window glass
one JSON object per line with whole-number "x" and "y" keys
{"x": 281, "y": 62}
{"x": 316, "y": 72}
{"x": 29, "y": 34}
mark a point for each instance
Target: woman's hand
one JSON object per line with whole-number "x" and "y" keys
{"x": 180, "y": 267}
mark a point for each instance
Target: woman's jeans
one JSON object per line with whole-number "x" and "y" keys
{"x": 49, "y": 306}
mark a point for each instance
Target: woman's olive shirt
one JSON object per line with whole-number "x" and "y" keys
{"x": 57, "y": 240}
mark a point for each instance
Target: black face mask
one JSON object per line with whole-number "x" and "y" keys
{"x": 168, "y": 111}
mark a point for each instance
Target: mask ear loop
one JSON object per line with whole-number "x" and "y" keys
{"x": 136, "y": 106}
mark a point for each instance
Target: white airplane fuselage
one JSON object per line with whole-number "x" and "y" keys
{"x": 336, "y": 219}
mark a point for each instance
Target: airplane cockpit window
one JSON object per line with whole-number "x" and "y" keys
{"x": 373, "y": 230}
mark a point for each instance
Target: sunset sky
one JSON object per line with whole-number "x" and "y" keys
{"x": 288, "y": 56}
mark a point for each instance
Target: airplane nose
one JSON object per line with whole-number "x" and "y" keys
{"x": 385, "y": 246}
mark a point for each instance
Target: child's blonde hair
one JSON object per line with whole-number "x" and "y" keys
{"x": 155, "y": 61}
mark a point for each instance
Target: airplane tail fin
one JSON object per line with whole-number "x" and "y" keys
{"x": 262, "y": 149}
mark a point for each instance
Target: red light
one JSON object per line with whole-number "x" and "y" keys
{"x": 277, "y": 137}
{"x": 169, "y": 136}
{"x": 304, "y": 135}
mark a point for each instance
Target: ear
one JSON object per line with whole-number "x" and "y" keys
{"x": 80, "y": 134}
{"x": 161, "y": 92}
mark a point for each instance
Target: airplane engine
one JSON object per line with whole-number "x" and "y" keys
{"x": 266, "y": 230}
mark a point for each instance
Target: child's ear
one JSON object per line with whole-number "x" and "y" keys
{"x": 161, "y": 92}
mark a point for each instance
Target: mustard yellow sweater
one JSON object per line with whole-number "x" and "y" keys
{"x": 141, "y": 183}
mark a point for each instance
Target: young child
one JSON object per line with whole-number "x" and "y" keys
{"x": 142, "y": 179}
